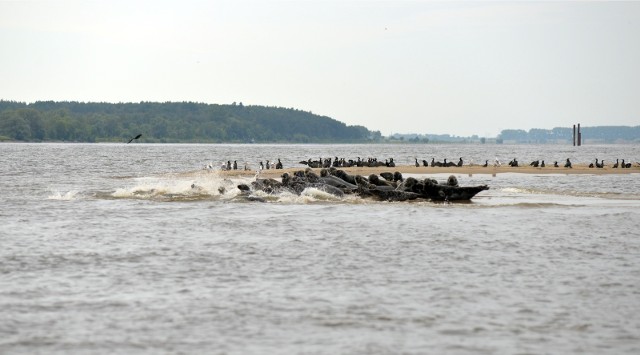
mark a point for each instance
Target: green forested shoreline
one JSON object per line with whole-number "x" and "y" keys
{"x": 191, "y": 122}
{"x": 171, "y": 122}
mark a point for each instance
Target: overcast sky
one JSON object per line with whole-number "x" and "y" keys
{"x": 462, "y": 68}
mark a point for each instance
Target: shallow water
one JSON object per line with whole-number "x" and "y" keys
{"x": 107, "y": 248}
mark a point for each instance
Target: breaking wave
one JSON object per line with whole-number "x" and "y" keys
{"x": 63, "y": 196}
{"x": 571, "y": 193}
{"x": 198, "y": 186}
{"x": 179, "y": 187}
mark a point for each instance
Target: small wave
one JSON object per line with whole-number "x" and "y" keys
{"x": 537, "y": 205}
{"x": 196, "y": 186}
{"x": 518, "y": 190}
{"x": 572, "y": 193}
{"x": 63, "y": 196}
{"x": 180, "y": 188}
{"x": 319, "y": 195}
{"x": 279, "y": 197}
{"x": 309, "y": 195}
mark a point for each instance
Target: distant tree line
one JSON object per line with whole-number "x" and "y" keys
{"x": 603, "y": 134}
{"x": 171, "y": 122}
{"x": 433, "y": 138}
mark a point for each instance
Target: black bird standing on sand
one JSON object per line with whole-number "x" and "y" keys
{"x": 567, "y": 164}
{"x": 136, "y": 137}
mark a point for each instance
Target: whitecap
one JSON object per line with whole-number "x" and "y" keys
{"x": 63, "y": 196}
{"x": 175, "y": 187}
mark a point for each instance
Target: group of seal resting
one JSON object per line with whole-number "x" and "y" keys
{"x": 384, "y": 187}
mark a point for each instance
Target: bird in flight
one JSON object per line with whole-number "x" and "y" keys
{"x": 136, "y": 137}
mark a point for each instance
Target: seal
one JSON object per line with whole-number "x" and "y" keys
{"x": 439, "y": 192}
{"x": 346, "y": 177}
{"x": 338, "y": 183}
{"x": 397, "y": 176}
{"x": 387, "y": 176}
{"x": 374, "y": 179}
{"x": 407, "y": 185}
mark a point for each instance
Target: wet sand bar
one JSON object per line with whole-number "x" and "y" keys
{"x": 476, "y": 169}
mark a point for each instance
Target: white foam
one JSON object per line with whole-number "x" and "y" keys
{"x": 314, "y": 194}
{"x": 199, "y": 185}
{"x": 516, "y": 190}
{"x": 181, "y": 186}
{"x": 66, "y": 196}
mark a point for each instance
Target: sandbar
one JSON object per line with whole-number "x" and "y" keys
{"x": 466, "y": 169}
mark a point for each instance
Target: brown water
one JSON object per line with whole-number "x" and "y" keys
{"x": 107, "y": 248}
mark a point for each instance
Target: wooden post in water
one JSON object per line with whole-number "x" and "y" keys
{"x": 574, "y": 135}
{"x": 579, "y": 136}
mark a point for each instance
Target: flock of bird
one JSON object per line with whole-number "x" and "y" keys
{"x": 435, "y": 163}
{"x": 512, "y": 163}
{"x": 535, "y": 163}
{"x": 344, "y": 163}
{"x": 618, "y": 164}
{"x": 374, "y": 162}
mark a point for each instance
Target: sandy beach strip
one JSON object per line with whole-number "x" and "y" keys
{"x": 466, "y": 170}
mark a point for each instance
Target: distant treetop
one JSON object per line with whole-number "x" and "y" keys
{"x": 170, "y": 122}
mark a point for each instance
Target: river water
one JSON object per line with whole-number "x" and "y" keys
{"x": 106, "y": 248}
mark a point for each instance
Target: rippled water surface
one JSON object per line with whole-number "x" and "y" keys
{"x": 107, "y": 248}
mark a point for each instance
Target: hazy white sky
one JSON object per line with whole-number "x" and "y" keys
{"x": 462, "y": 68}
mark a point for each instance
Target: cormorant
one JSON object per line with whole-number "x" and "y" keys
{"x": 136, "y": 137}
{"x": 567, "y": 164}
